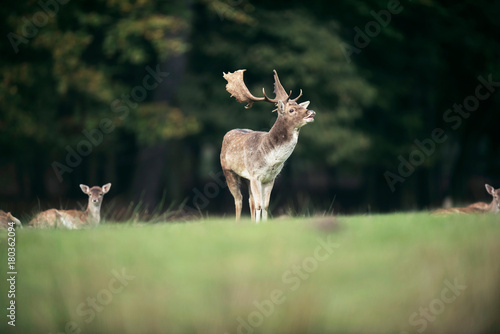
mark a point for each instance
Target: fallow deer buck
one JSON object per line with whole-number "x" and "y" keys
{"x": 74, "y": 219}
{"x": 256, "y": 156}
{"x": 479, "y": 207}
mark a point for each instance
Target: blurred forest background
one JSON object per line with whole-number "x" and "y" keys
{"x": 131, "y": 92}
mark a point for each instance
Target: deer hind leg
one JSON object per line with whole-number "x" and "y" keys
{"x": 266, "y": 195}
{"x": 256, "y": 189}
{"x": 234, "y": 185}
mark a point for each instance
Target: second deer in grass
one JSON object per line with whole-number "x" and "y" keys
{"x": 73, "y": 219}
{"x": 7, "y": 220}
{"x": 258, "y": 157}
{"x": 480, "y": 207}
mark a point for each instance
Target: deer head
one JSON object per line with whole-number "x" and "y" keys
{"x": 296, "y": 114}
{"x": 95, "y": 194}
{"x": 496, "y": 197}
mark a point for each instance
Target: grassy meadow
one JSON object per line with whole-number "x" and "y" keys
{"x": 398, "y": 273}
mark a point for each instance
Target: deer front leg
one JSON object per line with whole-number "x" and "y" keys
{"x": 251, "y": 201}
{"x": 266, "y": 189}
{"x": 256, "y": 189}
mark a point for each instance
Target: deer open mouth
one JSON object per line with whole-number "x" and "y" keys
{"x": 310, "y": 116}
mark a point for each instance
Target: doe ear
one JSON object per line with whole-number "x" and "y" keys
{"x": 84, "y": 188}
{"x": 106, "y": 187}
{"x": 490, "y": 189}
{"x": 281, "y": 106}
{"x": 305, "y": 104}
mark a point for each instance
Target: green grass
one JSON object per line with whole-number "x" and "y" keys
{"x": 205, "y": 276}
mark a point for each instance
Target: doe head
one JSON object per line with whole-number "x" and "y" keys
{"x": 95, "y": 193}
{"x": 496, "y": 196}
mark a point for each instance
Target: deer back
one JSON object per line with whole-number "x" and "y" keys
{"x": 45, "y": 219}
{"x": 6, "y": 218}
{"x": 60, "y": 218}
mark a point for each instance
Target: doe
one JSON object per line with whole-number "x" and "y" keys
{"x": 73, "y": 219}
{"x": 6, "y": 219}
{"x": 479, "y": 207}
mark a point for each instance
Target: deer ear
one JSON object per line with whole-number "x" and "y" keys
{"x": 305, "y": 104}
{"x": 84, "y": 188}
{"x": 106, "y": 187}
{"x": 281, "y": 106}
{"x": 490, "y": 189}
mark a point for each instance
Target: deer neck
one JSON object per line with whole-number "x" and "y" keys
{"x": 493, "y": 207}
{"x": 93, "y": 213}
{"x": 283, "y": 133}
{"x": 278, "y": 144}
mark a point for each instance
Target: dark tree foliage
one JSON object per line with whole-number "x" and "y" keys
{"x": 141, "y": 81}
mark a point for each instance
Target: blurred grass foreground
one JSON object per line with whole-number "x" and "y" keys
{"x": 410, "y": 273}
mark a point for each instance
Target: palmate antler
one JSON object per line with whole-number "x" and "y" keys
{"x": 237, "y": 88}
